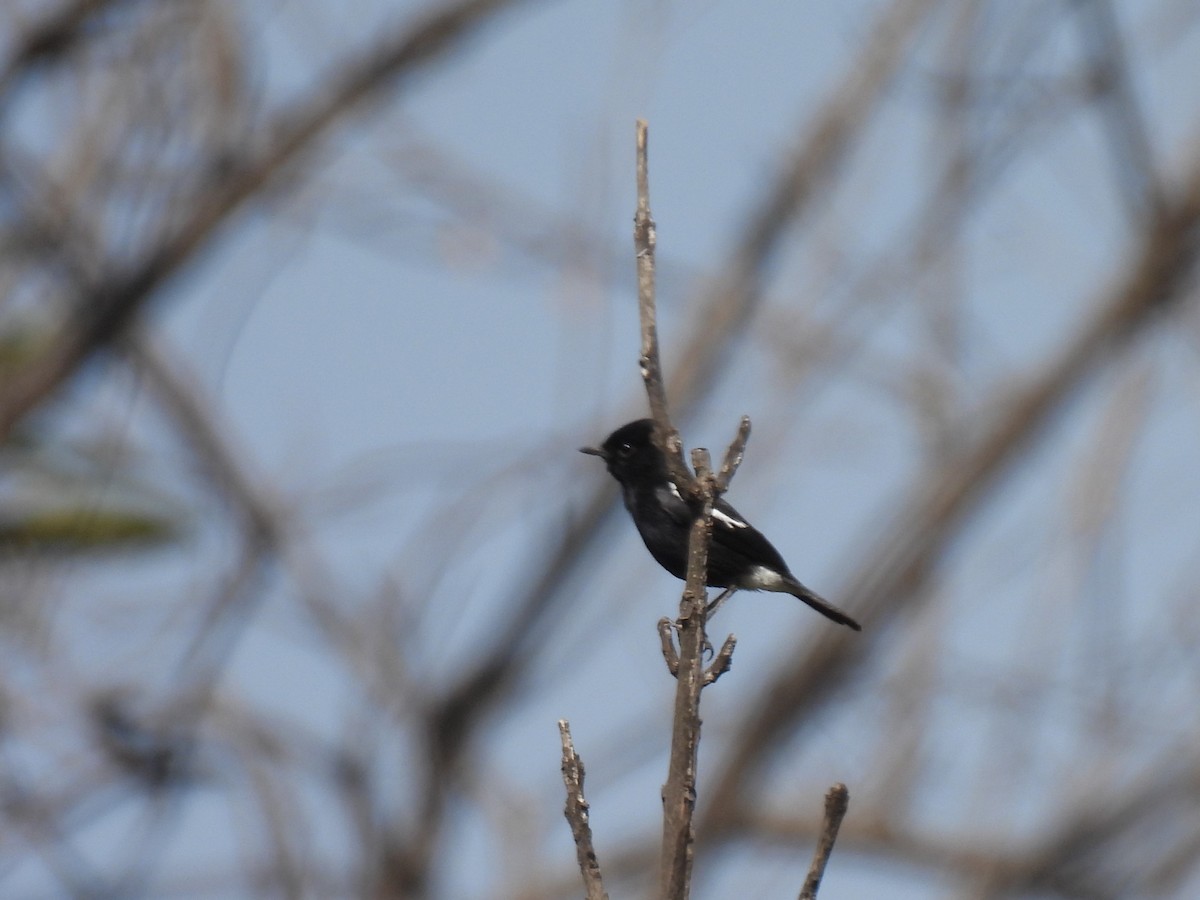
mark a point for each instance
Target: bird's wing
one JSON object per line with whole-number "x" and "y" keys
{"x": 673, "y": 504}
{"x": 734, "y": 536}
{"x": 735, "y": 545}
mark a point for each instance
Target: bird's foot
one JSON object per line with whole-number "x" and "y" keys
{"x": 711, "y": 609}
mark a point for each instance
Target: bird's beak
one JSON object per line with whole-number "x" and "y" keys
{"x": 593, "y": 451}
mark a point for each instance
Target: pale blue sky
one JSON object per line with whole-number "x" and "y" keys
{"x": 379, "y": 359}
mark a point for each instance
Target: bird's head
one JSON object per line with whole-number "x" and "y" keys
{"x": 630, "y": 453}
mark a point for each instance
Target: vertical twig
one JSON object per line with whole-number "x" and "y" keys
{"x": 576, "y": 812}
{"x": 679, "y": 791}
{"x": 733, "y": 456}
{"x": 644, "y": 240}
{"x": 837, "y": 799}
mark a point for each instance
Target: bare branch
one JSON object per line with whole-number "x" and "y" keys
{"x": 721, "y": 662}
{"x": 644, "y": 239}
{"x": 679, "y": 792}
{"x": 837, "y": 799}
{"x": 733, "y": 456}
{"x": 666, "y": 634}
{"x": 576, "y": 812}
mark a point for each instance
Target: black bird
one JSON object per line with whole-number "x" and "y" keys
{"x": 739, "y": 557}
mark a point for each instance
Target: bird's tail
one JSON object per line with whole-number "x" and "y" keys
{"x": 820, "y": 604}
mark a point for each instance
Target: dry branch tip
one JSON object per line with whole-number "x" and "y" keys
{"x": 837, "y": 801}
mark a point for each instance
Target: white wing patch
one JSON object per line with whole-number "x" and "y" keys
{"x": 723, "y": 517}
{"x": 728, "y": 519}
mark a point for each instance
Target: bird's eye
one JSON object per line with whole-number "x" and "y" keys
{"x": 625, "y": 450}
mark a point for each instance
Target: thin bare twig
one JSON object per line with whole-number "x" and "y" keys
{"x": 837, "y": 799}
{"x": 644, "y": 240}
{"x": 721, "y": 662}
{"x": 666, "y": 634}
{"x": 679, "y": 791}
{"x": 733, "y": 456}
{"x": 576, "y": 812}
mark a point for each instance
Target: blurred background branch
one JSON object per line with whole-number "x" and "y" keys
{"x": 304, "y": 310}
